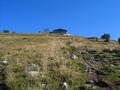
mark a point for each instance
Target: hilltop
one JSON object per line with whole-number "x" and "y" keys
{"x": 58, "y": 62}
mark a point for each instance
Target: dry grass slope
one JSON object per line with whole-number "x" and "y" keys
{"x": 48, "y": 54}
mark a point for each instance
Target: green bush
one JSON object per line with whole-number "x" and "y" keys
{"x": 106, "y": 37}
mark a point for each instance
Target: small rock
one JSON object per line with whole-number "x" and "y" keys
{"x": 33, "y": 73}
{"x": 31, "y": 67}
{"x": 87, "y": 85}
{"x": 74, "y": 56}
{"x": 5, "y": 62}
{"x": 94, "y": 87}
{"x": 108, "y": 50}
{"x": 32, "y": 70}
{"x": 43, "y": 74}
{"x": 112, "y": 65}
{"x": 44, "y": 84}
{"x": 84, "y": 52}
{"x": 91, "y": 81}
{"x": 91, "y": 50}
{"x": 65, "y": 85}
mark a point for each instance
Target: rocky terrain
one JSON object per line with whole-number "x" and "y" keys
{"x": 43, "y": 62}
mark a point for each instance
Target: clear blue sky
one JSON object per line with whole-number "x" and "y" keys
{"x": 79, "y": 17}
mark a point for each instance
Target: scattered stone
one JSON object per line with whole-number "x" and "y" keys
{"x": 43, "y": 74}
{"x": 112, "y": 65}
{"x": 32, "y": 67}
{"x": 91, "y": 50}
{"x": 4, "y": 62}
{"x": 44, "y": 83}
{"x": 83, "y": 52}
{"x": 94, "y": 87}
{"x": 32, "y": 70}
{"x": 108, "y": 50}
{"x": 74, "y": 56}
{"x": 33, "y": 74}
{"x": 65, "y": 85}
{"x": 88, "y": 86}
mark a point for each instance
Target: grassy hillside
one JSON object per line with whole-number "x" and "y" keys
{"x": 44, "y": 62}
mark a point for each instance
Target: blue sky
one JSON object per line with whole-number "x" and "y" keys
{"x": 79, "y": 17}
